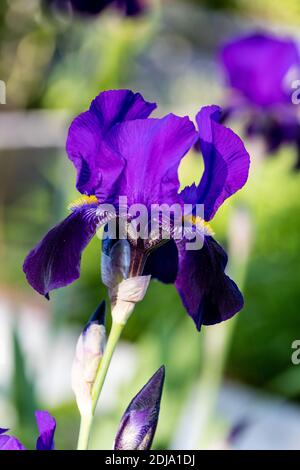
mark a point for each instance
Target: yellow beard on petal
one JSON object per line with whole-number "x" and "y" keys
{"x": 200, "y": 224}
{"x": 82, "y": 201}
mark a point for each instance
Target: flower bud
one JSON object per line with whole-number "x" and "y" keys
{"x": 89, "y": 351}
{"x": 138, "y": 424}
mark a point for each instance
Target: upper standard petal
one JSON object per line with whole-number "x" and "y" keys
{"x": 226, "y": 163}
{"x": 98, "y": 167}
{"x": 152, "y": 150}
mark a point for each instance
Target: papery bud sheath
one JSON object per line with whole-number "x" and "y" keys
{"x": 89, "y": 351}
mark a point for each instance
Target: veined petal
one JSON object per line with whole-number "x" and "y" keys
{"x": 207, "y": 293}
{"x": 115, "y": 106}
{"x": 226, "y": 163}
{"x": 152, "y": 149}
{"x": 46, "y": 426}
{"x": 55, "y": 261}
{"x": 138, "y": 424}
{"x": 98, "y": 167}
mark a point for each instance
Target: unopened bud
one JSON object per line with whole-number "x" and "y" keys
{"x": 89, "y": 351}
{"x": 138, "y": 424}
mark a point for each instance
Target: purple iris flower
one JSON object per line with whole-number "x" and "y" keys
{"x": 46, "y": 426}
{"x": 94, "y": 7}
{"x": 118, "y": 150}
{"x": 260, "y": 69}
{"x": 138, "y": 424}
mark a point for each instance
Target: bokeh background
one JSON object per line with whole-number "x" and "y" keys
{"x": 232, "y": 385}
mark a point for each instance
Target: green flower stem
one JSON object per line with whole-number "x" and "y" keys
{"x": 115, "y": 333}
{"x": 84, "y": 432}
{"x": 87, "y": 421}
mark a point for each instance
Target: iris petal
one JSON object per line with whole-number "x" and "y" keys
{"x": 46, "y": 426}
{"x": 162, "y": 263}
{"x": 98, "y": 167}
{"x": 226, "y": 163}
{"x": 152, "y": 149}
{"x": 10, "y": 443}
{"x": 55, "y": 261}
{"x": 258, "y": 65}
{"x": 207, "y": 293}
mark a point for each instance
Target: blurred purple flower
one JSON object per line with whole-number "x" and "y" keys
{"x": 260, "y": 69}
{"x": 138, "y": 424}
{"x": 118, "y": 151}
{"x": 9, "y": 442}
{"x": 46, "y": 426}
{"x": 94, "y": 7}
